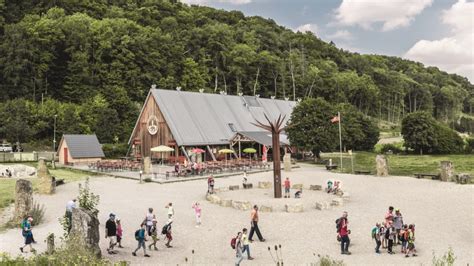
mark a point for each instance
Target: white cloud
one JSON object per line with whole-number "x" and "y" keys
{"x": 308, "y": 27}
{"x": 452, "y": 53}
{"x": 341, "y": 35}
{"x": 206, "y": 2}
{"x": 392, "y": 13}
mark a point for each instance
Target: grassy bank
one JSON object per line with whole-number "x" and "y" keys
{"x": 7, "y": 186}
{"x": 406, "y": 165}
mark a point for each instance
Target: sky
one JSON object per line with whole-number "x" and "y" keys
{"x": 435, "y": 32}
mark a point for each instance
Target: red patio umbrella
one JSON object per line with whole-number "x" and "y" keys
{"x": 198, "y": 151}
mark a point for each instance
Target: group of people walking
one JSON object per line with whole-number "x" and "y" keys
{"x": 393, "y": 231}
{"x": 241, "y": 242}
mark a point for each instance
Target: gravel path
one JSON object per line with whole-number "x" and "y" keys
{"x": 443, "y": 214}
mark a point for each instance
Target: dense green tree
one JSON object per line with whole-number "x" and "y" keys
{"x": 418, "y": 131}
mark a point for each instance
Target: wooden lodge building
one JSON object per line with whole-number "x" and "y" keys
{"x": 186, "y": 120}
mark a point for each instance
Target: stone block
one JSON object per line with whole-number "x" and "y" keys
{"x": 23, "y": 199}
{"x": 264, "y": 208}
{"x": 382, "y": 165}
{"x": 298, "y": 207}
{"x": 46, "y": 184}
{"x": 241, "y": 205}
{"x": 234, "y": 187}
{"x": 213, "y": 198}
{"x": 322, "y": 205}
{"x": 463, "y": 178}
{"x": 337, "y": 202}
{"x": 146, "y": 165}
{"x": 221, "y": 189}
{"x": 447, "y": 170}
{"x": 226, "y": 203}
{"x": 315, "y": 187}
{"x": 297, "y": 186}
{"x": 248, "y": 186}
{"x": 287, "y": 162}
{"x": 264, "y": 184}
{"x": 85, "y": 229}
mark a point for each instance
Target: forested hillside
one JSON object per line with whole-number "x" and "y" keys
{"x": 91, "y": 63}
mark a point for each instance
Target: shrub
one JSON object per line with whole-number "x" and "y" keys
{"x": 37, "y": 212}
{"x": 87, "y": 199}
{"x": 390, "y": 147}
{"x": 447, "y": 140}
{"x": 446, "y": 260}
{"x": 327, "y": 261}
{"x": 418, "y": 130}
{"x": 470, "y": 145}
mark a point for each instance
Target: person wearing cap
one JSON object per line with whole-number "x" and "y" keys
{"x": 154, "y": 235}
{"x": 397, "y": 224}
{"x": 111, "y": 233}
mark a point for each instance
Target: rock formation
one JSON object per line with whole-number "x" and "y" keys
{"x": 23, "y": 199}
{"x": 85, "y": 229}
{"x": 382, "y": 165}
{"x": 46, "y": 184}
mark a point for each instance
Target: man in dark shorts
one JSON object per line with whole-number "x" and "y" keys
{"x": 210, "y": 185}
{"x": 344, "y": 234}
{"x": 111, "y": 233}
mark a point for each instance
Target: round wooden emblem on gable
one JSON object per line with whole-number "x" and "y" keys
{"x": 152, "y": 125}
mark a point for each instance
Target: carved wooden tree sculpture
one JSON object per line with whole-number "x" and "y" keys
{"x": 275, "y": 128}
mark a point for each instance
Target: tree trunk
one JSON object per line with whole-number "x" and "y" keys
{"x": 256, "y": 81}
{"x": 215, "y": 80}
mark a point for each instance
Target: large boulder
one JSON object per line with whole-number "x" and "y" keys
{"x": 298, "y": 207}
{"x": 241, "y": 205}
{"x": 382, "y": 165}
{"x": 213, "y": 198}
{"x": 264, "y": 184}
{"x": 337, "y": 202}
{"x": 85, "y": 229}
{"x": 264, "y": 208}
{"x": 447, "y": 170}
{"x": 23, "y": 199}
{"x": 463, "y": 178}
{"x": 226, "y": 203}
{"x": 46, "y": 184}
{"x": 297, "y": 186}
{"x": 322, "y": 205}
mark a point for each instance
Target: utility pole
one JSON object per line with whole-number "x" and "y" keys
{"x": 54, "y": 133}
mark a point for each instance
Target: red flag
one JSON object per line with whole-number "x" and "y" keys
{"x": 335, "y": 119}
{"x": 264, "y": 154}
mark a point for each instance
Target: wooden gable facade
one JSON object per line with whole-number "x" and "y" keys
{"x": 144, "y": 136}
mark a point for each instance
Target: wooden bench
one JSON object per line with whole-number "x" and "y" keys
{"x": 433, "y": 176}
{"x": 362, "y": 172}
{"x": 331, "y": 167}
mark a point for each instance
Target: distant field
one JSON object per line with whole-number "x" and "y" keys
{"x": 7, "y": 186}
{"x": 405, "y": 165}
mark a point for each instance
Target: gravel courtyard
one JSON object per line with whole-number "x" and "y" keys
{"x": 443, "y": 214}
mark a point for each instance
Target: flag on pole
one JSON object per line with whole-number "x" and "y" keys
{"x": 335, "y": 119}
{"x": 264, "y": 154}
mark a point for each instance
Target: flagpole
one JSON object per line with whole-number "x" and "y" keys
{"x": 340, "y": 139}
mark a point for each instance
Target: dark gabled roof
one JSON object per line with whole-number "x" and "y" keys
{"x": 213, "y": 119}
{"x": 83, "y": 146}
{"x": 264, "y": 137}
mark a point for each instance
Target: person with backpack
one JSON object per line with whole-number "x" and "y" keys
{"x": 343, "y": 233}
{"x": 154, "y": 235}
{"x": 140, "y": 236}
{"x": 149, "y": 220}
{"x": 376, "y": 237}
{"x": 166, "y": 230}
{"x": 390, "y": 234}
{"x": 111, "y": 233}
{"x": 404, "y": 238}
{"x": 236, "y": 244}
{"x": 397, "y": 224}
{"x": 246, "y": 243}
{"x": 27, "y": 233}
{"x": 411, "y": 241}
{"x": 254, "y": 225}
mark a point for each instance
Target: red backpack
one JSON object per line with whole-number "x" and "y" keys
{"x": 233, "y": 242}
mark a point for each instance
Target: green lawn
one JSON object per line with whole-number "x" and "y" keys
{"x": 7, "y": 186}
{"x": 406, "y": 165}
